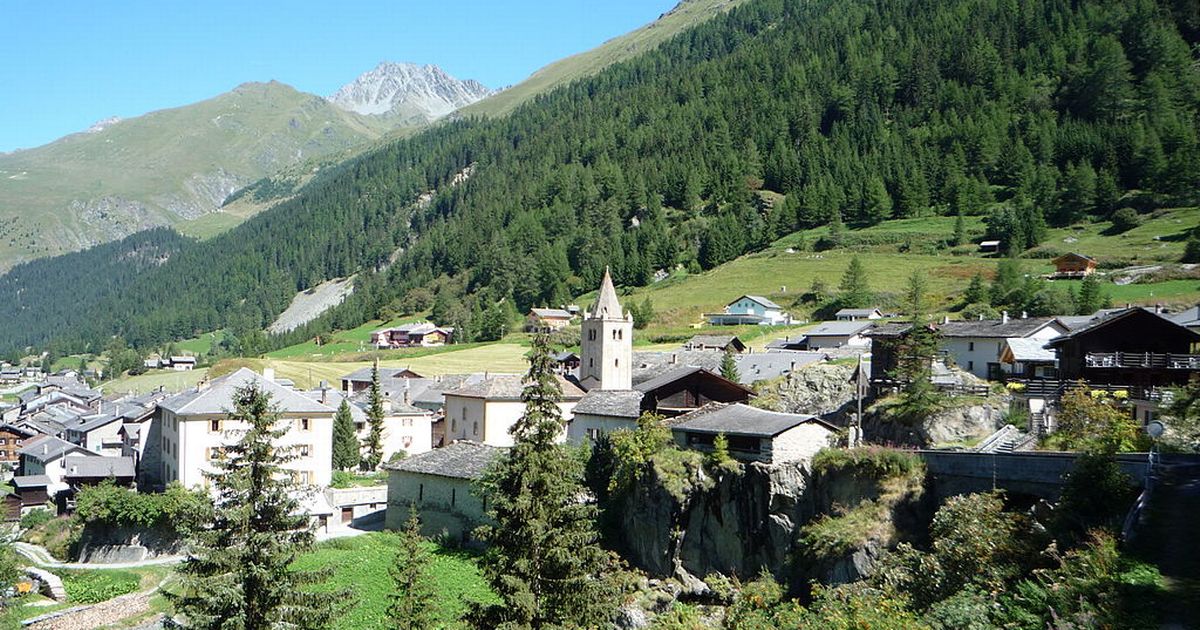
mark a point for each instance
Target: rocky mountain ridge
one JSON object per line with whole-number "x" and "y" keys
{"x": 408, "y": 91}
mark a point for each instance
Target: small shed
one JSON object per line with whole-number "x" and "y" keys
{"x": 439, "y": 484}
{"x": 989, "y": 247}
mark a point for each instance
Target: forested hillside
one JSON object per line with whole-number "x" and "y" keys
{"x": 1032, "y": 112}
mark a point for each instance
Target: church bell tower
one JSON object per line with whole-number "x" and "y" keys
{"x": 606, "y": 360}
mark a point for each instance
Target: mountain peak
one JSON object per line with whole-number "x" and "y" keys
{"x": 407, "y": 89}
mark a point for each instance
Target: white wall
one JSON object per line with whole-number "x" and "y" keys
{"x": 412, "y": 433}
{"x": 187, "y": 442}
{"x": 578, "y": 427}
{"x": 488, "y": 421}
{"x": 800, "y": 442}
{"x": 838, "y": 341}
{"x": 107, "y": 434}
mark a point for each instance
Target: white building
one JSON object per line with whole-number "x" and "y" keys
{"x": 46, "y": 455}
{"x": 750, "y": 309}
{"x": 195, "y": 426}
{"x": 855, "y": 314}
{"x": 405, "y": 426}
{"x": 977, "y": 346}
{"x": 484, "y": 411}
{"x": 606, "y": 357}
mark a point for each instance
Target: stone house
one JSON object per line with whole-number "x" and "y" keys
{"x": 440, "y": 485}
{"x": 46, "y": 455}
{"x": 753, "y": 434}
{"x": 484, "y": 411}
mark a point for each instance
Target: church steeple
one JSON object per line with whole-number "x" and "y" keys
{"x": 607, "y": 306}
{"x": 606, "y": 355}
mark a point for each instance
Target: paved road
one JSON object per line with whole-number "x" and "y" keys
{"x": 42, "y": 558}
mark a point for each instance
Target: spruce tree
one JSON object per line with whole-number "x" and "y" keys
{"x": 1091, "y": 298}
{"x": 729, "y": 368}
{"x": 345, "y": 439}
{"x": 543, "y": 557}
{"x": 915, "y": 353}
{"x": 855, "y": 291}
{"x": 960, "y": 229}
{"x": 373, "y": 445}
{"x": 238, "y": 573}
{"x": 976, "y": 292}
{"x": 412, "y": 602}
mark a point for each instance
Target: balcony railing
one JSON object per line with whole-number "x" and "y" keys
{"x": 1142, "y": 360}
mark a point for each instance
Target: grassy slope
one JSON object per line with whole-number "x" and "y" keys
{"x": 149, "y": 159}
{"x": 361, "y": 565}
{"x": 687, "y": 14}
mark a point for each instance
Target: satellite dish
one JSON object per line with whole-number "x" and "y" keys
{"x": 1155, "y": 429}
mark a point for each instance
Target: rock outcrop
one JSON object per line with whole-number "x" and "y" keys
{"x": 823, "y": 389}
{"x": 956, "y": 422}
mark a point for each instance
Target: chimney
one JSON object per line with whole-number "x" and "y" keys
{"x": 981, "y": 317}
{"x": 674, "y": 358}
{"x": 1003, "y": 317}
{"x": 945, "y": 319}
{"x": 1158, "y": 308}
{"x": 1024, "y": 315}
{"x": 269, "y": 374}
{"x": 406, "y": 396}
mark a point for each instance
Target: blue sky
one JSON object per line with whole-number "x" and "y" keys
{"x": 67, "y": 64}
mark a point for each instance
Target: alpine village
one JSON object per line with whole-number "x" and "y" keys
{"x": 822, "y": 314}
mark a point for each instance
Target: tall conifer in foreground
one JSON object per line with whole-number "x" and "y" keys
{"x": 237, "y": 575}
{"x": 543, "y": 559}
{"x": 374, "y": 442}
{"x": 346, "y": 453}
{"x": 915, "y": 353}
{"x": 412, "y": 603}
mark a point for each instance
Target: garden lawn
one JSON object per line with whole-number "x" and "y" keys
{"x": 169, "y": 380}
{"x": 361, "y": 565}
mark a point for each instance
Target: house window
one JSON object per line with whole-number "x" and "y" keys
{"x": 214, "y": 426}
{"x": 616, "y": 363}
{"x": 407, "y": 441}
{"x": 970, "y": 346}
{"x": 358, "y": 426}
{"x": 453, "y": 425}
{"x": 475, "y": 428}
{"x": 305, "y": 450}
{"x": 453, "y": 496}
{"x": 421, "y": 492}
{"x": 406, "y": 422}
{"x": 305, "y": 424}
{"x": 3, "y": 441}
{"x": 970, "y": 366}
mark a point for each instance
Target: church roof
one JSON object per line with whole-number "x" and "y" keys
{"x": 607, "y": 306}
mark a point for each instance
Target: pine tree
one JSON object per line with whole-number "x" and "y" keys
{"x": 346, "y": 453}
{"x": 729, "y": 368}
{"x": 1091, "y": 298}
{"x": 976, "y": 292}
{"x": 855, "y": 291}
{"x": 412, "y": 602}
{"x": 238, "y": 573}
{"x": 373, "y": 445}
{"x": 960, "y": 229}
{"x": 915, "y": 353}
{"x": 543, "y": 557}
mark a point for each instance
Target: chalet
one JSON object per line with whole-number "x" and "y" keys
{"x": 566, "y": 362}
{"x": 419, "y": 334}
{"x": 1073, "y": 265}
{"x": 753, "y": 434}
{"x": 547, "y": 319}
{"x": 12, "y": 438}
{"x": 750, "y": 309}
{"x": 46, "y": 455}
{"x": 183, "y": 363}
{"x": 360, "y": 380}
{"x": 84, "y": 470}
{"x": 671, "y": 393}
{"x": 484, "y": 411}
{"x": 10, "y": 375}
{"x": 722, "y": 343}
{"x": 1028, "y": 358}
{"x": 843, "y": 334}
{"x": 855, "y": 314}
{"x": 440, "y": 486}
{"x": 29, "y": 492}
{"x": 1134, "y": 347}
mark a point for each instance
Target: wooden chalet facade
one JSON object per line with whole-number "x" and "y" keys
{"x": 1073, "y": 265}
{"x": 1134, "y": 347}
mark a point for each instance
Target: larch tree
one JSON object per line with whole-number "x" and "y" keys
{"x": 373, "y": 445}
{"x": 412, "y": 605}
{"x": 543, "y": 558}
{"x": 238, "y": 573}
{"x": 346, "y": 453}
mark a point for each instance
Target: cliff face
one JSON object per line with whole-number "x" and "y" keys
{"x": 687, "y": 521}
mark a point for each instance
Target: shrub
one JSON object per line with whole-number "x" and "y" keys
{"x": 174, "y": 510}
{"x": 341, "y": 479}
{"x": 1124, "y": 220}
{"x": 1191, "y": 251}
{"x": 874, "y": 461}
{"x": 35, "y": 518}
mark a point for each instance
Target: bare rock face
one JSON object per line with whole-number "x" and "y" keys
{"x": 822, "y": 389}
{"x": 955, "y": 423}
{"x": 409, "y": 90}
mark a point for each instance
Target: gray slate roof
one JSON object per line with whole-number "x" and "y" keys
{"x": 676, "y": 374}
{"x": 838, "y": 329}
{"x": 461, "y": 460}
{"x": 509, "y": 387}
{"x": 30, "y": 481}
{"x": 740, "y": 419}
{"x": 616, "y": 403}
{"x": 1187, "y": 317}
{"x": 856, "y": 312}
{"x": 994, "y": 328}
{"x": 217, "y": 397}
{"x": 553, "y": 313}
{"x": 1029, "y": 350}
{"x": 89, "y": 423}
{"x": 1110, "y": 317}
{"x": 95, "y": 466}
{"x": 711, "y": 341}
{"x": 648, "y": 365}
{"x": 763, "y": 366}
{"x": 50, "y": 448}
{"x": 761, "y": 300}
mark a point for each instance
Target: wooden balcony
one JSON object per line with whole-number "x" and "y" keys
{"x": 1142, "y": 360}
